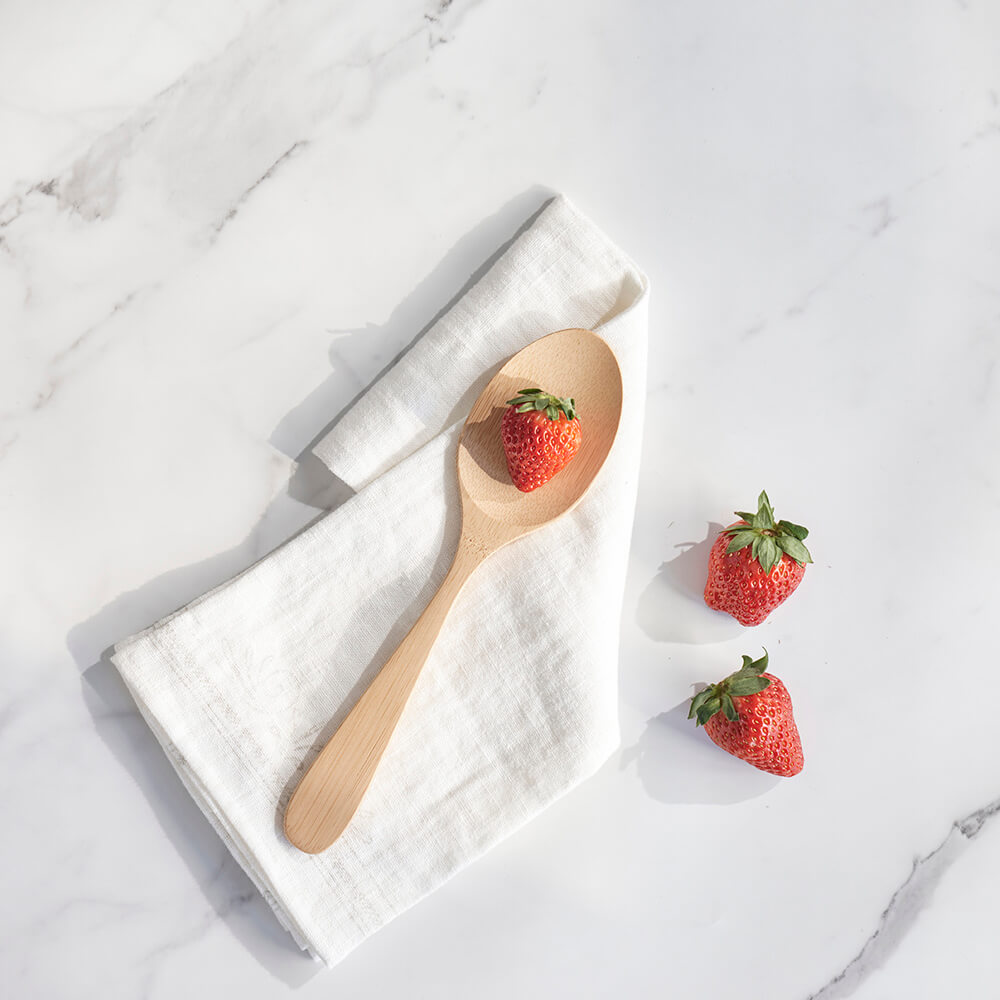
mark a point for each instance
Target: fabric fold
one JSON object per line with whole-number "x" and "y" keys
{"x": 562, "y": 272}
{"x": 517, "y": 702}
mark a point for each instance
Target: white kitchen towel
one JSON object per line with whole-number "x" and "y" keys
{"x": 518, "y": 700}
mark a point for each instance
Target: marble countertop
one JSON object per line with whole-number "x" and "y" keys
{"x": 219, "y": 222}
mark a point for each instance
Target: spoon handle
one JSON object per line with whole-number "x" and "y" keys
{"x": 332, "y": 789}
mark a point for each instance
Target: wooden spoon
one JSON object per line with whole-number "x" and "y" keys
{"x": 575, "y": 363}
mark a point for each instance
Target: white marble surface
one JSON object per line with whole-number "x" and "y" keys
{"x": 219, "y": 221}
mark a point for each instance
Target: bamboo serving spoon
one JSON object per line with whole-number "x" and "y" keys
{"x": 575, "y": 363}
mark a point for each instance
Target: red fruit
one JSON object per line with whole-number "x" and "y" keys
{"x": 749, "y": 714}
{"x": 755, "y": 564}
{"x": 540, "y": 434}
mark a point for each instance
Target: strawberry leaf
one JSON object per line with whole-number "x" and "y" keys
{"x": 552, "y": 406}
{"x": 795, "y": 530}
{"x": 740, "y": 686}
{"x": 740, "y": 541}
{"x": 794, "y": 548}
{"x": 698, "y": 700}
{"x": 729, "y": 708}
{"x": 770, "y": 541}
{"x": 768, "y": 553}
{"x": 765, "y": 514}
{"x": 704, "y": 714}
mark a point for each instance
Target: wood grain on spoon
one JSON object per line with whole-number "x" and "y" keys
{"x": 575, "y": 363}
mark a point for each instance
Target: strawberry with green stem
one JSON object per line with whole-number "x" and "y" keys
{"x": 540, "y": 434}
{"x": 756, "y": 564}
{"x": 749, "y": 714}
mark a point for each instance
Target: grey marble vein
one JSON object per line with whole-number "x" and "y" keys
{"x": 55, "y": 368}
{"x": 989, "y": 130}
{"x": 437, "y": 37}
{"x": 266, "y": 175}
{"x": 906, "y": 904}
{"x": 883, "y": 217}
{"x": 89, "y": 187}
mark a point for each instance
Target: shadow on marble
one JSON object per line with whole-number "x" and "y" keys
{"x": 224, "y": 884}
{"x": 678, "y": 764}
{"x": 672, "y": 607}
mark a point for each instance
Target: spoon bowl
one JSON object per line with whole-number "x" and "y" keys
{"x": 575, "y": 363}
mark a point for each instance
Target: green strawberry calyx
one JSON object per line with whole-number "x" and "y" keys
{"x": 552, "y": 406}
{"x": 770, "y": 539}
{"x": 721, "y": 697}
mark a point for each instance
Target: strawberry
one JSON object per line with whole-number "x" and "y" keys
{"x": 755, "y": 564}
{"x": 749, "y": 714}
{"x": 540, "y": 434}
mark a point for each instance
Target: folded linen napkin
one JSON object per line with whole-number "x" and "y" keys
{"x": 516, "y": 704}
